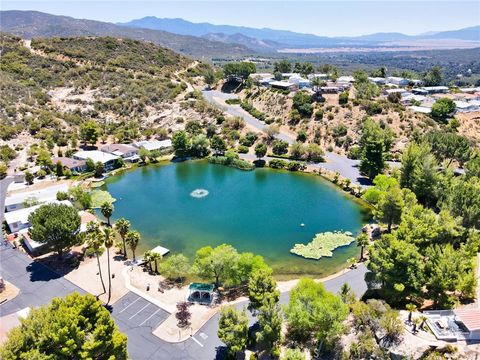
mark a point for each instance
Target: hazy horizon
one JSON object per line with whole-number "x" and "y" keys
{"x": 352, "y": 18}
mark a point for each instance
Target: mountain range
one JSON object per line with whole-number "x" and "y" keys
{"x": 29, "y": 24}
{"x": 213, "y": 41}
{"x": 274, "y": 39}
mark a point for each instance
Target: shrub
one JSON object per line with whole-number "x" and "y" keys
{"x": 319, "y": 114}
{"x": 277, "y": 164}
{"x": 242, "y": 149}
{"x": 295, "y": 166}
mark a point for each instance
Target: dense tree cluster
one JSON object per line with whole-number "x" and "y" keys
{"x": 76, "y": 327}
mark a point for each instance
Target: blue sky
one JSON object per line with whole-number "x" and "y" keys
{"x": 330, "y": 18}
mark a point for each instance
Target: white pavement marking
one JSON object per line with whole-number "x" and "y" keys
{"x": 203, "y": 336}
{"x": 198, "y": 342}
{"x": 133, "y": 302}
{"x": 144, "y": 321}
{"x": 139, "y": 311}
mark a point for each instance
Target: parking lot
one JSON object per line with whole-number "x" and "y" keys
{"x": 135, "y": 311}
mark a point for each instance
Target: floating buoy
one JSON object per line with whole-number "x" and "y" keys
{"x": 302, "y": 224}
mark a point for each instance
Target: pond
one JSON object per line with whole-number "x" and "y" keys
{"x": 184, "y": 206}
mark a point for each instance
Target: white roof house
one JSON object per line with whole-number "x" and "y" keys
{"x": 152, "y": 145}
{"x": 466, "y": 106}
{"x": 421, "y": 109}
{"x": 18, "y": 220}
{"x": 348, "y": 78}
{"x": 378, "y": 80}
{"x": 316, "y": 75}
{"x": 395, "y": 80}
{"x": 96, "y": 155}
{"x": 16, "y": 201}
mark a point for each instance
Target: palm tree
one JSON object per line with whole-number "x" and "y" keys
{"x": 362, "y": 241}
{"x": 123, "y": 226}
{"x": 147, "y": 259}
{"x": 423, "y": 319}
{"x": 132, "y": 238}
{"x": 411, "y": 308}
{"x": 156, "y": 257}
{"x": 416, "y": 322}
{"x": 94, "y": 241}
{"x": 107, "y": 210}
{"x": 108, "y": 242}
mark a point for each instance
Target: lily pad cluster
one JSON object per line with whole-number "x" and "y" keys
{"x": 101, "y": 196}
{"x": 323, "y": 244}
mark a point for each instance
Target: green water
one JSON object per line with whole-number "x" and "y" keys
{"x": 258, "y": 211}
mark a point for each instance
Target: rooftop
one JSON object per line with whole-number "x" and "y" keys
{"x": 153, "y": 144}
{"x": 49, "y": 193}
{"x": 119, "y": 149}
{"x": 95, "y": 155}
{"x": 23, "y": 214}
{"x": 469, "y": 317}
{"x": 69, "y": 162}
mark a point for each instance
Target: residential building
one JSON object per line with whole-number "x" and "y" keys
{"x": 299, "y": 81}
{"x": 346, "y": 79}
{"x": 454, "y": 325}
{"x": 434, "y": 90}
{"x": 125, "y": 151}
{"x": 378, "y": 80}
{"x": 421, "y": 109}
{"x": 284, "y": 85}
{"x": 17, "y": 201}
{"x": 152, "y": 145}
{"x": 73, "y": 165}
{"x": 108, "y": 160}
{"x": 467, "y": 106}
{"x": 399, "y": 81}
{"x": 17, "y": 221}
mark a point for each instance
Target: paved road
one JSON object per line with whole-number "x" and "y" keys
{"x": 37, "y": 283}
{"x": 235, "y": 110}
{"x": 346, "y": 167}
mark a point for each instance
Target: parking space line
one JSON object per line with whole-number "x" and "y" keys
{"x": 144, "y": 321}
{"x": 133, "y": 302}
{"x": 138, "y": 312}
{"x": 198, "y": 342}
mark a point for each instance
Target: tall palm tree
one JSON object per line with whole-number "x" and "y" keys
{"x": 156, "y": 257}
{"x": 362, "y": 241}
{"x": 123, "y": 226}
{"x": 423, "y": 319}
{"x": 107, "y": 210}
{"x": 133, "y": 238}
{"x": 94, "y": 241}
{"x": 108, "y": 242}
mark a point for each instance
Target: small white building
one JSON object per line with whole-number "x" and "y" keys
{"x": 108, "y": 160}
{"x": 378, "y": 80}
{"x": 466, "y": 106}
{"x": 435, "y": 89}
{"x": 348, "y": 79}
{"x": 408, "y": 99}
{"x": 284, "y": 85}
{"x": 317, "y": 76}
{"x": 399, "y": 81}
{"x": 152, "y": 145}
{"x": 421, "y": 109}
{"x": 299, "y": 81}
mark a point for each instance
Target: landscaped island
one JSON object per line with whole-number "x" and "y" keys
{"x": 323, "y": 245}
